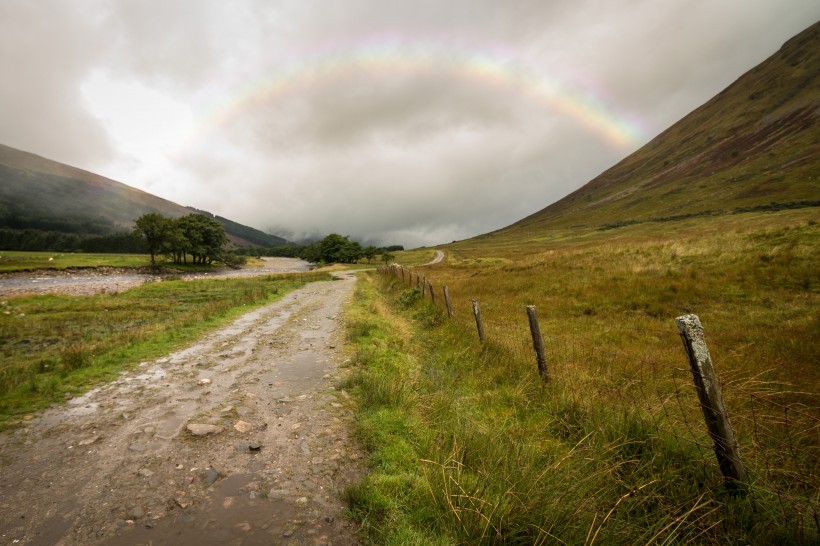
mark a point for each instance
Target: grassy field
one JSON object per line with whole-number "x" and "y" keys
{"x": 11, "y": 260}
{"x": 55, "y": 344}
{"x": 468, "y": 445}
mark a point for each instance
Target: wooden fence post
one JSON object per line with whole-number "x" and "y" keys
{"x": 447, "y": 301}
{"x": 418, "y": 280}
{"x": 711, "y": 400}
{"x": 402, "y": 274}
{"x": 478, "y": 323}
{"x": 423, "y": 285}
{"x": 538, "y": 343}
{"x": 432, "y": 292}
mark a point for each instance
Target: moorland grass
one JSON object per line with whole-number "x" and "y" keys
{"x": 12, "y": 260}
{"x": 56, "y": 344}
{"x": 468, "y": 446}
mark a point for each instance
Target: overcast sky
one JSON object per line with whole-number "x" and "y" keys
{"x": 399, "y": 122}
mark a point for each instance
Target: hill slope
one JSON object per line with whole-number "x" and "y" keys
{"x": 37, "y": 193}
{"x": 755, "y": 145}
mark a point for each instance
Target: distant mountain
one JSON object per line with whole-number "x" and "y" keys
{"x": 40, "y": 194}
{"x": 755, "y": 146}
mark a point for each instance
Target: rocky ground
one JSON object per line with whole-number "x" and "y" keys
{"x": 100, "y": 280}
{"x": 240, "y": 439}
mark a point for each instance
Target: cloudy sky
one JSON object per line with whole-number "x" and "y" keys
{"x": 399, "y": 122}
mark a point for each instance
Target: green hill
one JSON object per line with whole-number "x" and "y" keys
{"x": 43, "y": 195}
{"x": 754, "y": 146}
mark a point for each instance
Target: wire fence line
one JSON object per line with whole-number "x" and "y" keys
{"x": 644, "y": 369}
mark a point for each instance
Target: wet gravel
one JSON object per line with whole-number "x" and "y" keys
{"x": 242, "y": 438}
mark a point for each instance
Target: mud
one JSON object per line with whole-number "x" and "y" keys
{"x": 119, "y": 465}
{"x": 101, "y": 280}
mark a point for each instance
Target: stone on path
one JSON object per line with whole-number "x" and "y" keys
{"x": 243, "y": 426}
{"x": 201, "y": 429}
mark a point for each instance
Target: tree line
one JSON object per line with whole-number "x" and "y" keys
{"x": 58, "y": 241}
{"x": 197, "y": 236}
{"x": 333, "y": 248}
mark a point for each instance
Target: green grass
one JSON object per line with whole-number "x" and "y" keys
{"x": 56, "y": 344}
{"x": 468, "y": 446}
{"x": 11, "y": 260}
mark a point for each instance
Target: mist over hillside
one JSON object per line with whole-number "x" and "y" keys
{"x": 46, "y": 196}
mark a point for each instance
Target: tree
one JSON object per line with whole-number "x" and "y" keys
{"x": 336, "y": 248}
{"x": 153, "y": 229}
{"x": 202, "y": 237}
{"x": 370, "y": 252}
{"x": 331, "y": 248}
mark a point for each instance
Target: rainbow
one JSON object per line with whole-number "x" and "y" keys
{"x": 386, "y": 56}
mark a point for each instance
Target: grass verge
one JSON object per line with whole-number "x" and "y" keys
{"x": 56, "y": 344}
{"x": 469, "y": 447}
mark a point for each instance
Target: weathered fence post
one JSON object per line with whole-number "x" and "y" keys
{"x": 418, "y": 280}
{"x": 478, "y": 323}
{"x": 538, "y": 343}
{"x": 402, "y": 274}
{"x": 447, "y": 301}
{"x": 432, "y": 292}
{"x": 423, "y": 285}
{"x": 711, "y": 400}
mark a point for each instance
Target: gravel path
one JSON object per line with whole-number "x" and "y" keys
{"x": 241, "y": 439}
{"x": 438, "y": 258}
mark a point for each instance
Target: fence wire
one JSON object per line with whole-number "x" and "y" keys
{"x": 645, "y": 369}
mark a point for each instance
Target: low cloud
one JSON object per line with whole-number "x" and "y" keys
{"x": 409, "y": 123}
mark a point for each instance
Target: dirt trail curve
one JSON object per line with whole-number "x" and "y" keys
{"x": 240, "y": 439}
{"x": 438, "y": 258}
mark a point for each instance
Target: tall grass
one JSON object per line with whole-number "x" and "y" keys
{"x": 613, "y": 450}
{"x": 55, "y": 344}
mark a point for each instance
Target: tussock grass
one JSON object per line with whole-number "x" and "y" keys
{"x": 11, "y": 260}
{"x": 613, "y": 450}
{"x": 56, "y": 344}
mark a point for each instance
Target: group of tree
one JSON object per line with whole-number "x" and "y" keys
{"x": 336, "y": 248}
{"x": 197, "y": 236}
{"x": 58, "y": 241}
{"x": 333, "y": 248}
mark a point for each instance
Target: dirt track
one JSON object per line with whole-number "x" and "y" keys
{"x": 119, "y": 466}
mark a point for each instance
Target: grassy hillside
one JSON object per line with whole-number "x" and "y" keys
{"x": 246, "y": 234}
{"x": 470, "y": 446}
{"x": 40, "y": 194}
{"x": 755, "y": 145}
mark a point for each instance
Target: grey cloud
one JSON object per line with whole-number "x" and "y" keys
{"x": 46, "y": 50}
{"x": 407, "y": 156}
